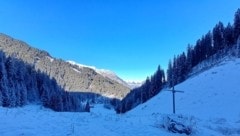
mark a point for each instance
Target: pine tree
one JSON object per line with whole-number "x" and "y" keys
{"x": 175, "y": 71}
{"x": 238, "y": 47}
{"x": 31, "y": 85}
{"x": 229, "y": 35}
{"x": 218, "y": 39}
{"x": 21, "y": 83}
{"x": 208, "y": 45}
{"x": 237, "y": 25}
{"x": 146, "y": 87}
{"x": 87, "y": 107}
{"x": 3, "y": 82}
{"x": 9, "y": 64}
{"x": 189, "y": 58}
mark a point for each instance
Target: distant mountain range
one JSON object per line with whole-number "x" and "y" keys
{"x": 69, "y": 75}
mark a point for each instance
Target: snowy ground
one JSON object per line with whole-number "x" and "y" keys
{"x": 209, "y": 105}
{"x": 34, "y": 120}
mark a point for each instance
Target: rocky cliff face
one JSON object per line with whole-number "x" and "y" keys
{"x": 70, "y": 77}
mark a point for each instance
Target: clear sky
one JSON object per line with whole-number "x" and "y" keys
{"x": 129, "y": 37}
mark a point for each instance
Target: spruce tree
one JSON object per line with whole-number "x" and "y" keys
{"x": 229, "y": 36}
{"x": 218, "y": 39}
{"x": 189, "y": 58}
{"x": 3, "y": 82}
{"x": 237, "y": 25}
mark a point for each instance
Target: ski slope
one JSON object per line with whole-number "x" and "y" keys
{"x": 209, "y": 106}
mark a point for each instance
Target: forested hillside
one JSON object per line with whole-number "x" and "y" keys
{"x": 214, "y": 45}
{"x": 21, "y": 84}
{"x": 207, "y": 52}
{"x": 70, "y": 77}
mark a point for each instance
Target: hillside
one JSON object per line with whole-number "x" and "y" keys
{"x": 213, "y": 93}
{"x": 209, "y": 107}
{"x": 104, "y": 72}
{"x": 70, "y": 77}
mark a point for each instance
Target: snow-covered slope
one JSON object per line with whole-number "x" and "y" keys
{"x": 209, "y": 107}
{"x": 38, "y": 121}
{"x": 134, "y": 84}
{"x": 213, "y": 93}
{"x": 211, "y": 97}
{"x": 105, "y": 73}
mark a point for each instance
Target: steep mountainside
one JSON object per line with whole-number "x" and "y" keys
{"x": 105, "y": 73}
{"x": 70, "y": 77}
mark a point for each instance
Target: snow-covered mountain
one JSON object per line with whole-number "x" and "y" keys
{"x": 70, "y": 78}
{"x": 209, "y": 106}
{"x": 134, "y": 84}
{"x": 109, "y": 74}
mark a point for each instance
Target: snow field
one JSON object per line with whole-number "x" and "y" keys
{"x": 209, "y": 106}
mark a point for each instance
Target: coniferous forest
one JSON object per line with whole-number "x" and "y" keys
{"x": 214, "y": 45}
{"x": 21, "y": 84}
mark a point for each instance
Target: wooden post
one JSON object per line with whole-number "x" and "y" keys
{"x": 173, "y": 95}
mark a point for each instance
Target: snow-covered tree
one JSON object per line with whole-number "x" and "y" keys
{"x": 20, "y": 84}
{"x": 3, "y": 82}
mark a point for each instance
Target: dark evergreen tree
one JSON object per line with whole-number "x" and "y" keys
{"x": 145, "y": 86}
{"x": 3, "y": 82}
{"x": 31, "y": 85}
{"x": 208, "y": 44}
{"x": 183, "y": 67}
{"x": 150, "y": 88}
{"x": 218, "y": 39}
{"x": 21, "y": 84}
{"x": 229, "y": 36}
{"x": 87, "y": 107}
{"x": 9, "y": 65}
{"x": 237, "y": 25}
{"x": 189, "y": 58}
{"x": 238, "y": 47}
{"x": 175, "y": 71}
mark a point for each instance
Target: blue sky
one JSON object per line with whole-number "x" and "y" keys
{"x": 129, "y": 37}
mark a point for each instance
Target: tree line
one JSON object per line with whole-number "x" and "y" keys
{"x": 21, "y": 84}
{"x": 150, "y": 88}
{"x": 214, "y": 43}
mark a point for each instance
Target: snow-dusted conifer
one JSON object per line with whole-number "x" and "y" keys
{"x": 3, "y": 82}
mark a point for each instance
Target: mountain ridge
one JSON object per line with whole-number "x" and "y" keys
{"x": 109, "y": 74}
{"x": 67, "y": 76}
